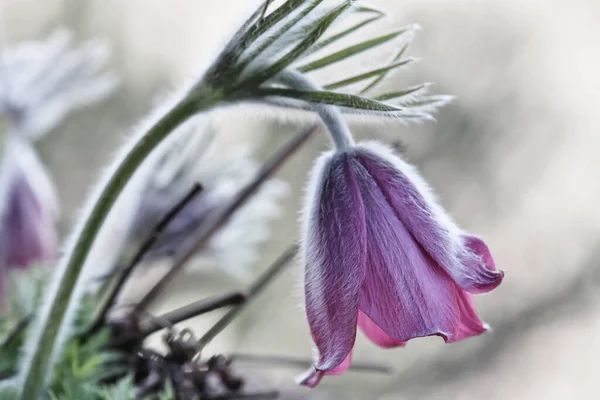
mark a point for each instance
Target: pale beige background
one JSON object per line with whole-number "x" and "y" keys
{"x": 514, "y": 159}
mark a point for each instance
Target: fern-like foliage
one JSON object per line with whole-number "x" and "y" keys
{"x": 85, "y": 367}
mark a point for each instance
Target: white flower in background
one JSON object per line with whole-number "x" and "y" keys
{"x": 195, "y": 158}
{"x": 40, "y": 82}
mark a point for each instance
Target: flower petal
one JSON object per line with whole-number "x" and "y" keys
{"x": 405, "y": 292}
{"x": 470, "y": 324}
{"x": 433, "y": 229}
{"x": 28, "y": 209}
{"x": 313, "y": 376}
{"x": 479, "y": 259}
{"x": 22, "y": 227}
{"x": 376, "y": 334}
{"x": 335, "y": 255}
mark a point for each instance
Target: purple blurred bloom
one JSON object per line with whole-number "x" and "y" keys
{"x": 28, "y": 209}
{"x": 41, "y": 82}
{"x": 381, "y": 254}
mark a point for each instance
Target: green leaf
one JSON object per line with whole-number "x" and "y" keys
{"x": 168, "y": 392}
{"x": 221, "y": 71}
{"x": 338, "y": 99}
{"x": 264, "y": 10}
{"x": 402, "y": 93}
{"x": 319, "y": 27}
{"x": 299, "y": 105}
{"x": 8, "y": 391}
{"x": 277, "y": 35}
{"x": 326, "y": 42}
{"x": 233, "y": 47}
{"x": 122, "y": 390}
{"x": 381, "y": 77}
{"x": 270, "y": 20}
{"x": 428, "y": 102}
{"x": 367, "y": 75}
{"x": 350, "y": 51}
{"x": 369, "y": 9}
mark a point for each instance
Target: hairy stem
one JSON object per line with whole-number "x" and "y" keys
{"x": 331, "y": 115}
{"x": 53, "y": 323}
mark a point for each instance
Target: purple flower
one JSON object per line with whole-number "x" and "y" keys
{"x": 28, "y": 209}
{"x": 381, "y": 254}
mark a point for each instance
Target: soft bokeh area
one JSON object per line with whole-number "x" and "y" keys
{"x": 514, "y": 159}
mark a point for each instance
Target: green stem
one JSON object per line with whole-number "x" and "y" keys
{"x": 53, "y": 319}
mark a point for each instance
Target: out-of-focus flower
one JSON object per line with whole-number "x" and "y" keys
{"x": 40, "y": 82}
{"x": 381, "y": 254}
{"x": 193, "y": 158}
{"x": 28, "y": 208}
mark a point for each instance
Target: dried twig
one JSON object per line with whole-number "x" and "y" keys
{"x": 205, "y": 232}
{"x": 295, "y": 362}
{"x": 255, "y": 289}
{"x": 193, "y": 310}
{"x": 114, "y": 291}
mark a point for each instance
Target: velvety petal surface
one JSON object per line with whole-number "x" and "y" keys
{"x": 478, "y": 257}
{"x": 469, "y": 324}
{"x": 405, "y": 292}
{"x": 468, "y": 262}
{"x": 335, "y": 256}
{"x": 376, "y": 334}
{"x": 313, "y": 376}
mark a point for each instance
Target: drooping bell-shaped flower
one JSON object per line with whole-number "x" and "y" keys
{"x": 381, "y": 254}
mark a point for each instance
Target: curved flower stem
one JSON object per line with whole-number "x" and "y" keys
{"x": 331, "y": 115}
{"x": 52, "y": 323}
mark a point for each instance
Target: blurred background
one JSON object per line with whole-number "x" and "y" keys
{"x": 514, "y": 159}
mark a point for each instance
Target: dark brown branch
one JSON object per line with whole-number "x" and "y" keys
{"x": 247, "y": 396}
{"x": 192, "y": 310}
{"x": 205, "y": 231}
{"x": 257, "y": 287}
{"x": 294, "y": 362}
{"x": 22, "y": 324}
{"x": 113, "y": 292}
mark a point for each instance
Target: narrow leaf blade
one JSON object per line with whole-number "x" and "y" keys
{"x": 402, "y": 93}
{"x": 370, "y": 9}
{"x": 275, "y": 36}
{"x": 337, "y": 99}
{"x": 350, "y": 51}
{"x": 367, "y": 75}
{"x": 319, "y": 28}
{"x": 338, "y": 36}
{"x": 397, "y": 57}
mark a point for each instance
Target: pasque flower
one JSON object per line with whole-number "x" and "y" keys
{"x": 28, "y": 208}
{"x": 381, "y": 254}
{"x": 40, "y": 83}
